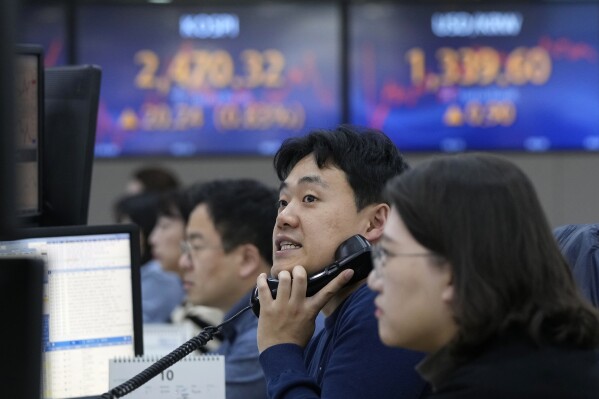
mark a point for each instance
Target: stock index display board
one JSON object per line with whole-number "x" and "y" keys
{"x": 476, "y": 76}
{"x": 184, "y": 81}
{"x": 44, "y": 25}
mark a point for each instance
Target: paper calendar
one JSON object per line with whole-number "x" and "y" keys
{"x": 193, "y": 377}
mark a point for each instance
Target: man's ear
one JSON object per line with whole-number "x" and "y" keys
{"x": 377, "y": 217}
{"x": 250, "y": 261}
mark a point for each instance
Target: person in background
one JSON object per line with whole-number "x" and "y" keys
{"x": 579, "y": 244}
{"x": 161, "y": 291}
{"x": 468, "y": 271}
{"x": 169, "y": 230}
{"x": 151, "y": 179}
{"x": 227, "y": 245}
{"x": 165, "y": 239}
{"x": 331, "y": 189}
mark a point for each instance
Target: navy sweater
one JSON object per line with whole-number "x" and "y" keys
{"x": 345, "y": 360}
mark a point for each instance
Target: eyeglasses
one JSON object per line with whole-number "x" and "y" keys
{"x": 380, "y": 256}
{"x": 190, "y": 249}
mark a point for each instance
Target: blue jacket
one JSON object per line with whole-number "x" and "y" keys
{"x": 579, "y": 244}
{"x": 345, "y": 360}
{"x": 161, "y": 293}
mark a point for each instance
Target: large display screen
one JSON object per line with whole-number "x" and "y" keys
{"x": 45, "y": 25}
{"x": 477, "y": 76}
{"x": 184, "y": 81}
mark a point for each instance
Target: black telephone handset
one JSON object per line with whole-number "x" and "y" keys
{"x": 353, "y": 253}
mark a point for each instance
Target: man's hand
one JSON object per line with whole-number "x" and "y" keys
{"x": 290, "y": 318}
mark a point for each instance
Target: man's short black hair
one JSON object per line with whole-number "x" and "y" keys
{"x": 243, "y": 211}
{"x": 367, "y": 156}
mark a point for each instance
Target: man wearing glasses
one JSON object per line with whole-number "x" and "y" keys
{"x": 228, "y": 244}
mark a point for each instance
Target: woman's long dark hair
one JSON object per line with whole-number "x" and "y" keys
{"x": 481, "y": 214}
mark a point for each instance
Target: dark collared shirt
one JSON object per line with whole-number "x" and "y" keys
{"x": 436, "y": 367}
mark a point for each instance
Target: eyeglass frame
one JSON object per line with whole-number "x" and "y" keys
{"x": 380, "y": 257}
{"x": 188, "y": 249}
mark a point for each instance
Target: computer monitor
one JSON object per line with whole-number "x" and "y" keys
{"x": 29, "y": 88}
{"x": 8, "y": 11}
{"x": 92, "y": 303}
{"x": 71, "y": 110}
{"x": 21, "y": 282}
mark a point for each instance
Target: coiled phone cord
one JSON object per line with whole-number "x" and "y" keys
{"x": 164, "y": 363}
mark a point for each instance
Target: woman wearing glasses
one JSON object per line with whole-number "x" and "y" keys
{"x": 468, "y": 271}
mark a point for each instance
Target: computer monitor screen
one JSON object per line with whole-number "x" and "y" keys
{"x": 45, "y": 23}
{"x": 71, "y": 109}
{"x": 91, "y": 303}
{"x": 512, "y": 76}
{"x": 211, "y": 79}
{"x": 29, "y": 128}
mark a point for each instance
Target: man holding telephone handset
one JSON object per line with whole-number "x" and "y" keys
{"x": 331, "y": 188}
